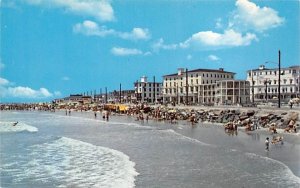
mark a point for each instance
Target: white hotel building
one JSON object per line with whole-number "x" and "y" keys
{"x": 264, "y": 83}
{"x": 148, "y": 91}
{"x": 204, "y": 86}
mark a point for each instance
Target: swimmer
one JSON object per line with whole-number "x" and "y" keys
{"x": 14, "y": 124}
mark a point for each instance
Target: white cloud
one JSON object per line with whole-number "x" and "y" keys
{"x": 210, "y": 39}
{"x": 125, "y": 51}
{"x": 161, "y": 45}
{"x": 189, "y": 57}
{"x": 213, "y": 58}
{"x": 26, "y": 92}
{"x": 3, "y": 81}
{"x": 99, "y": 9}
{"x": 65, "y": 78}
{"x": 136, "y": 34}
{"x": 91, "y": 28}
{"x": 249, "y": 16}
{"x": 6, "y": 90}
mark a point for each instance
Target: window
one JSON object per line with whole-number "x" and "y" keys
{"x": 270, "y": 72}
{"x": 275, "y": 81}
{"x": 249, "y": 74}
{"x": 284, "y": 81}
{"x": 260, "y": 73}
{"x": 291, "y": 81}
{"x": 291, "y": 89}
{"x": 266, "y": 73}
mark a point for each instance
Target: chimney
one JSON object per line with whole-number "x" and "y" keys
{"x": 180, "y": 71}
{"x": 261, "y": 67}
{"x": 144, "y": 79}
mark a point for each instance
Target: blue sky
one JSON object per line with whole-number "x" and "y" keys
{"x": 51, "y": 48}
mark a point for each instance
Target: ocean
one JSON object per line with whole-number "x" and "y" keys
{"x": 47, "y": 149}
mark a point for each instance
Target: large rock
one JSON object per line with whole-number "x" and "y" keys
{"x": 243, "y": 117}
{"x": 250, "y": 112}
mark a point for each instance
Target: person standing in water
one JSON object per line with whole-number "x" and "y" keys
{"x": 267, "y": 143}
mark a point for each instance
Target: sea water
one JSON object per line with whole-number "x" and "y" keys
{"x": 54, "y": 150}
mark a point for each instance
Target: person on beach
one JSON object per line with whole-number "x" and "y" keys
{"x": 107, "y": 116}
{"x": 95, "y": 114}
{"x": 267, "y": 143}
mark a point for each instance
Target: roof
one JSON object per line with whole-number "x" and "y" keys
{"x": 202, "y": 70}
{"x": 282, "y": 68}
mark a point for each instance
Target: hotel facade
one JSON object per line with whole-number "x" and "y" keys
{"x": 149, "y": 92}
{"x": 204, "y": 86}
{"x": 264, "y": 84}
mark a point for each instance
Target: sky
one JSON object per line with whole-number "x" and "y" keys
{"x": 53, "y": 48}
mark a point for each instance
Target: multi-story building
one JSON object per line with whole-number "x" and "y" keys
{"x": 232, "y": 92}
{"x": 193, "y": 86}
{"x": 148, "y": 91}
{"x": 264, "y": 83}
{"x": 126, "y": 96}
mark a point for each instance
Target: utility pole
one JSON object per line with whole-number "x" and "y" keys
{"x": 120, "y": 94}
{"x": 154, "y": 90}
{"x": 105, "y": 94}
{"x": 101, "y": 95}
{"x": 252, "y": 86}
{"x": 186, "y": 87}
{"x": 177, "y": 92}
{"x": 279, "y": 78}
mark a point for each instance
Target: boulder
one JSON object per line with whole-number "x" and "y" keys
{"x": 250, "y": 112}
{"x": 243, "y": 117}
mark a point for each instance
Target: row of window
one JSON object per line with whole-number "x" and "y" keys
{"x": 205, "y": 75}
{"x": 275, "y": 81}
{"x": 149, "y": 84}
{"x": 274, "y": 90}
{"x": 270, "y": 72}
{"x": 149, "y": 89}
{"x": 181, "y": 84}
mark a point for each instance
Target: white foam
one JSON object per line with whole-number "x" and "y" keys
{"x": 283, "y": 173}
{"x": 8, "y": 127}
{"x": 180, "y": 136}
{"x": 72, "y": 163}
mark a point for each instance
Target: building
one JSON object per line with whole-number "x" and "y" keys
{"x": 126, "y": 96}
{"x": 193, "y": 86}
{"x": 264, "y": 83}
{"x": 232, "y": 92}
{"x": 74, "y": 100}
{"x": 145, "y": 91}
